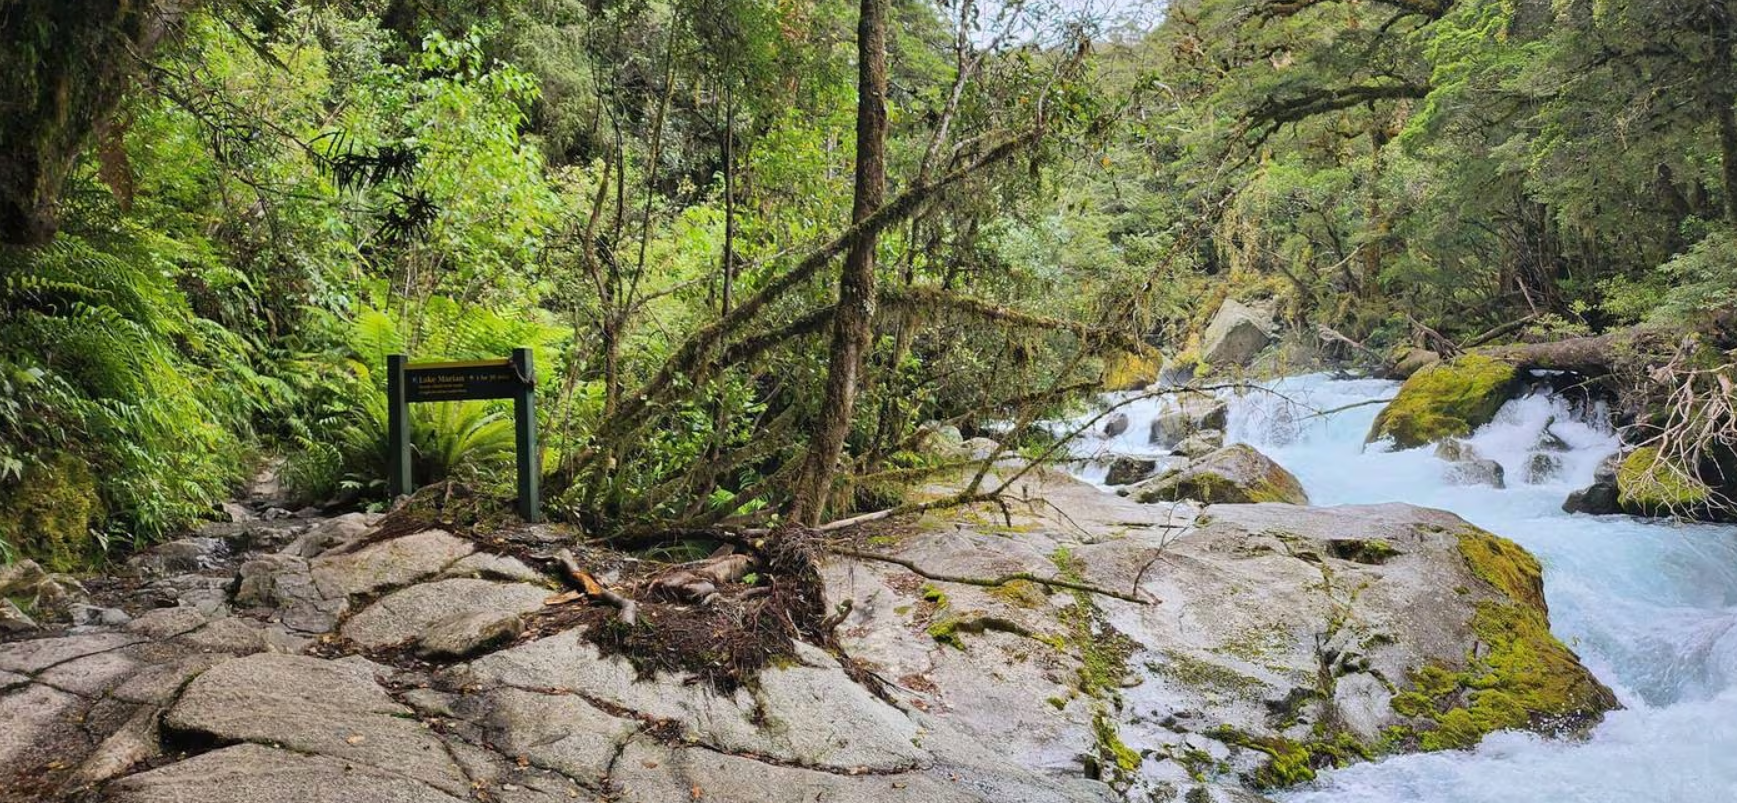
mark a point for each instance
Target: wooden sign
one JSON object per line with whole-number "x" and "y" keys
{"x": 513, "y": 378}
{"x": 460, "y": 381}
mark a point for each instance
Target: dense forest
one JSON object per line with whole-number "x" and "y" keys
{"x": 759, "y": 247}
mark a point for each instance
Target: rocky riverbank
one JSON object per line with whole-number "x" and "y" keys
{"x": 353, "y": 660}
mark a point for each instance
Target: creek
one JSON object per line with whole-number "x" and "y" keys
{"x": 1651, "y": 607}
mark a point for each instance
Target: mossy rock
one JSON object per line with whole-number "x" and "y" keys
{"x": 49, "y": 514}
{"x": 1236, "y": 474}
{"x": 1519, "y": 677}
{"x": 1124, "y": 371}
{"x": 1446, "y": 400}
{"x": 1649, "y": 485}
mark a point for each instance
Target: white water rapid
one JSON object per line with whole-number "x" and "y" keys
{"x": 1650, "y": 607}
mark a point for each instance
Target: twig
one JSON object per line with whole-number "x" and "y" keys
{"x": 989, "y": 582}
{"x": 583, "y": 579}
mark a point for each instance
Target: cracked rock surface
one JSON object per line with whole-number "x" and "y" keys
{"x": 331, "y": 660}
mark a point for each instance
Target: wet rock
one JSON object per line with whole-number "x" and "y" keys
{"x": 1129, "y": 470}
{"x": 1201, "y": 444}
{"x": 1236, "y": 474}
{"x": 459, "y": 615}
{"x": 312, "y": 706}
{"x": 48, "y": 596}
{"x": 1446, "y": 400}
{"x": 250, "y": 773}
{"x": 1601, "y": 497}
{"x": 1476, "y": 472}
{"x": 1337, "y": 612}
{"x": 1237, "y": 333}
{"x": 1467, "y": 467}
{"x": 1542, "y": 467}
{"x": 1115, "y": 425}
{"x": 1187, "y": 415}
{"x": 185, "y": 556}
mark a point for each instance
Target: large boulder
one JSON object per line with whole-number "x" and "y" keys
{"x": 1281, "y": 640}
{"x": 1236, "y": 474}
{"x": 1237, "y": 333}
{"x": 1650, "y": 484}
{"x": 1446, "y": 400}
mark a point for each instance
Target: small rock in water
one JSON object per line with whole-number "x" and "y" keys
{"x": 1476, "y": 472}
{"x": 1201, "y": 444}
{"x": 1116, "y": 425}
{"x": 1542, "y": 468}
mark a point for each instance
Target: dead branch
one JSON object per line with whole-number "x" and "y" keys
{"x": 588, "y": 584}
{"x": 989, "y": 582}
{"x": 1502, "y": 330}
{"x": 1328, "y": 334}
{"x": 936, "y": 298}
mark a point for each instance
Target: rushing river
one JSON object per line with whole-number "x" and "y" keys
{"x": 1651, "y": 608}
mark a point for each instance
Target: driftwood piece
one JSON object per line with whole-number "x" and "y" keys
{"x": 589, "y": 585}
{"x": 699, "y": 582}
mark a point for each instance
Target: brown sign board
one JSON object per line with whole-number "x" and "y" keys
{"x": 459, "y": 381}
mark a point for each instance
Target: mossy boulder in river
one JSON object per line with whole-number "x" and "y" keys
{"x": 1236, "y": 474}
{"x": 1281, "y": 640}
{"x": 1650, "y": 484}
{"x": 1446, "y": 400}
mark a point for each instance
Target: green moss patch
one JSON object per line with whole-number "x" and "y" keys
{"x": 49, "y": 515}
{"x": 1650, "y": 485}
{"x": 1519, "y": 677}
{"x": 1446, "y": 400}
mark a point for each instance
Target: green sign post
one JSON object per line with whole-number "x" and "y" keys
{"x": 513, "y": 378}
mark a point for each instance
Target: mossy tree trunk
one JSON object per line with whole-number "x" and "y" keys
{"x": 64, "y": 67}
{"x": 853, "y": 317}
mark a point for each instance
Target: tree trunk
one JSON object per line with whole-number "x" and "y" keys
{"x": 1725, "y": 102}
{"x": 64, "y": 68}
{"x": 856, "y": 288}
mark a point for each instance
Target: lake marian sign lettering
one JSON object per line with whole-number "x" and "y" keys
{"x": 511, "y": 378}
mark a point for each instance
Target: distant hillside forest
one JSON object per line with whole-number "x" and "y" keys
{"x": 757, "y": 244}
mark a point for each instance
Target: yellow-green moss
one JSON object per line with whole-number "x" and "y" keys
{"x": 1125, "y": 371}
{"x": 1446, "y": 400}
{"x": 1520, "y": 676}
{"x": 49, "y": 515}
{"x": 1288, "y": 762}
{"x": 1649, "y": 485}
{"x": 1020, "y": 593}
{"x": 1205, "y": 483}
{"x": 1111, "y": 747}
